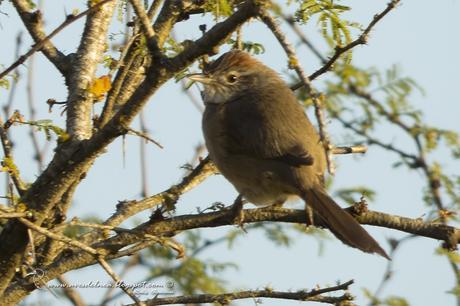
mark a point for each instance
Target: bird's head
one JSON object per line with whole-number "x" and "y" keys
{"x": 230, "y": 76}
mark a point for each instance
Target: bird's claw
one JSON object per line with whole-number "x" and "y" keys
{"x": 238, "y": 213}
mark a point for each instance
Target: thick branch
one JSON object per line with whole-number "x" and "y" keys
{"x": 133, "y": 63}
{"x": 72, "y": 160}
{"x": 172, "y": 226}
{"x": 215, "y": 36}
{"x": 34, "y": 24}
{"x": 92, "y": 45}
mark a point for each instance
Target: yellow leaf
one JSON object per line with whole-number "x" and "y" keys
{"x": 100, "y": 87}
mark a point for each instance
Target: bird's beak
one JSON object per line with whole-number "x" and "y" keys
{"x": 199, "y": 77}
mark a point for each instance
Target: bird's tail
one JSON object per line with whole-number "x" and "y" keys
{"x": 341, "y": 223}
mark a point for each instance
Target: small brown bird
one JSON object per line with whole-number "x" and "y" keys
{"x": 261, "y": 140}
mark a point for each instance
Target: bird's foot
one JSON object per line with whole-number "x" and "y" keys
{"x": 238, "y": 213}
{"x": 310, "y": 218}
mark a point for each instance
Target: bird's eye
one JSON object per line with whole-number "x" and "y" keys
{"x": 231, "y": 78}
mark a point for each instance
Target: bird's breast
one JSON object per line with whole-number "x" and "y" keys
{"x": 261, "y": 182}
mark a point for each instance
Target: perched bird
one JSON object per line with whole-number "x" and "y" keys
{"x": 261, "y": 140}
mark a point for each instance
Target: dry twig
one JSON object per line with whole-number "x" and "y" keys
{"x": 70, "y": 19}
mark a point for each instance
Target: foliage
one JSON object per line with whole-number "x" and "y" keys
{"x": 249, "y": 46}
{"x": 48, "y": 128}
{"x": 352, "y": 195}
{"x": 334, "y": 28}
{"x": 388, "y": 301}
{"x": 220, "y": 8}
{"x": 193, "y": 274}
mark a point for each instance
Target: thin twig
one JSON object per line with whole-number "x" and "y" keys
{"x": 165, "y": 241}
{"x": 33, "y": 20}
{"x": 420, "y": 160}
{"x": 130, "y": 263}
{"x": 388, "y": 274}
{"x": 295, "y": 64}
{"x": 77, "y": 222}
{"x": 144, "y": 136}
{"x": 9, "y": 104}
{"x": 127, "y": 209}
{"x": 13, "y": 215}
{"x": 143, "y": 158}
{"x": 39, "y": 153}
{"x": 303, "y": 38}
{"x": 239, "y": 39}
{"x": 31, "y": 257}
{"x": 371, "y": 140}
{"x": 198, "y": 105}
{"x": 225, "y": 298}
{"x": 8, "y": 152}
{"x": 70, "y": 19}
{"x": 186, "y": 90}
{"x": 118, "y": 281}
{"x": 361, "y": 40}
{"x": 72, "y": 295}
{"x": 143, "y": 18}
{"x": 350, "y": 150}
{"x": 67, "y": 240}
{"x": 153, "y": 9}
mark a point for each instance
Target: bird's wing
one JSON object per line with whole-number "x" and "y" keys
{"x": 280, "y": 133}
{"x": 297, "y": 156}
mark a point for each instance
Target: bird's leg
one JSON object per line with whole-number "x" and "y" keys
{"x": 237, "y": 211}
{"x": 309, "y": 213}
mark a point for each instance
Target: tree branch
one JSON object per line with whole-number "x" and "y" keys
{"x": 361, "y": 40}
{"x": 34, "y": 24}
{"x": 90, "y": 50}
{"x": 215, "y": 36}
{"x": 72, "y": 295}
{"x": 172, "y": 226}
{"x": 13, "y": 170}
{"x": 168, "y": 197}
{"x": 349, "y": 150}
{"x": 73, "y": 159}
{"x": 132, "y": 70}
{"x": 58, "y": 237}
{"x": 143, "y": 18}
{"x": 314, "y": 295}
{"x": 117, "y": 280}
{"x": 295, "y": 64}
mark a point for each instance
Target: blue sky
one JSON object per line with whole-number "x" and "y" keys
{"x": 421, "y": 39}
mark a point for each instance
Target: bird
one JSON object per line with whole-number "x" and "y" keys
{"x": 261, "y": 140}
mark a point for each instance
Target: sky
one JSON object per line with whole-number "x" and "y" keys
{"x": 420, "y": 38}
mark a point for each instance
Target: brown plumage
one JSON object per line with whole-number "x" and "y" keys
{"x": 261, "y": 140}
